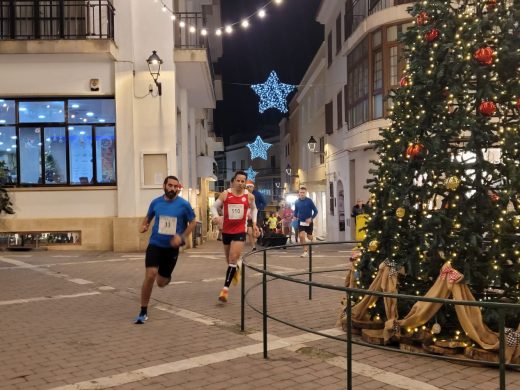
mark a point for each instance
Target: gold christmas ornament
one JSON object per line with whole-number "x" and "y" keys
{"x": 436, "y": 328}
{"x": 516, "y": 221}
{"x": 400, "y": 212}
{"x": 452, "y": 183}
{"x": 373, "y": 245}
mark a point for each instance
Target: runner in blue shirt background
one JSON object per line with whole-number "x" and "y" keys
{"x": 174, "y": 222}
{"x": 304, "y": 212}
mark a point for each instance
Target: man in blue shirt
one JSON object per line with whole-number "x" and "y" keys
{"x": 304, "y": 212}
{"x": 174, "y": 222}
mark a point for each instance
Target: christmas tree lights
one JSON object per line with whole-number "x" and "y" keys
{"x": 259, "y": 148}
{"x": 439, "y": 196}
{"x": 273, "y": 93}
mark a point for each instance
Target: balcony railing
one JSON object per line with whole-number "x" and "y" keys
{"x": 56, "y": 19}
{"x": 188, "y": 30}
{"x": 358, "y": 10}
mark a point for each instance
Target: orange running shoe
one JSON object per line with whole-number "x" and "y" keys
{"x": 223, "y": 295}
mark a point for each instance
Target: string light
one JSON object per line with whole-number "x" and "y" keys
{"x": 273, "y": 93}
{"x": 245, "y": 22}
{"x": 259, "y": 148}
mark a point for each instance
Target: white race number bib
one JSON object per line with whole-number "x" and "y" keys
{"x": 167, "y": 225}
{"x": 302, "y": 223}
{"x": 235, "y": 211}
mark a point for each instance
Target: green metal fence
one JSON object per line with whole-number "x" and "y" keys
{"x": 268, "y": 276}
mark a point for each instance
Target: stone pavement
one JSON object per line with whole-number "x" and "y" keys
{"x": 66, "y": 323}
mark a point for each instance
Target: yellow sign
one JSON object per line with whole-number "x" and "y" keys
{"x": 361, "y": 221}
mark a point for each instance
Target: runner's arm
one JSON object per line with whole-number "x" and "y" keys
{"x": 254, "y": 210}
{"x": 145, "y": 224}
{"x": 217, "y": 206}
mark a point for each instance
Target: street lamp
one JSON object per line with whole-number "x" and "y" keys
{"x": 154, "y": 66}
{"x": 311, "y": 144}
{"x": 288, "y": 169}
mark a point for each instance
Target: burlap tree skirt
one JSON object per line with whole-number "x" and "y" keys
{"x": 447, "y": 285}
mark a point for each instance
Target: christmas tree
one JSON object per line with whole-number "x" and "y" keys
{"x": 446, "y": 187}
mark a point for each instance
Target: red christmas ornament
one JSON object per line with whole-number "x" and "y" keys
{"x": 518, "y": 103}
{"x": 432, "y": 35}
{"x": 404, "y": 81}
{"x": 487, "y": 108}
{"x": 490, "y": 5}
{"x": 422, "y": 18}
{"x": 484, "y": 55}
{"x": 414, "y": 150}
{"x": 494, "y": 197}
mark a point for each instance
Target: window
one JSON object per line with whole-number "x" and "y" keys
{"x": 273, "y": 162}
{"x": 329, "y": 49}
{"x": 331, "y": 197}
{"x": 377, "y": 75}
{"x": 234, "y": 166}
{"x": 339, "y": 107}
{"x": 373, "y": 67}
{"x": 357, "y": 78}
{"x": 338, "y": 33}
{"x": 348, "y": 21}
{"x": 329, "y": 121}
{"x": 242, "y": 164}
{"x": 322, "y": 150}
{"x": 8, "y": 154}
{"x": 58, "y": 142}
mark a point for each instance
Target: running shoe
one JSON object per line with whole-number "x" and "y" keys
{"x": 304, "y": 254}
{"x": 140, "y": 319}
{"x": 223, "y": 295}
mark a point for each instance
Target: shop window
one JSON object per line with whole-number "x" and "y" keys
{"x": 58, "y": 142}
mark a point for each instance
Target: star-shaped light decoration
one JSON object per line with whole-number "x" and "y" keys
{"x": 259, "y": 148}
{"x": 273, "y": 93}
{"x": 251, "y": 173}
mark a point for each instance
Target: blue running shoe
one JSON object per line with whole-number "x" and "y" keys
{"x": 141, "y": 319}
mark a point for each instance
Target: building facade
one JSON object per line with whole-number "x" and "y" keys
{"x": 88, "y": 135}
{"x": 361, "y": 64}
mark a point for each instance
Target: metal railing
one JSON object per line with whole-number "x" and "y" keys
{"x": 188, "y": 30}
{"x": 358, "y": 10}
{"x": 56, "y": 19}
{"x": 350, "y": 293}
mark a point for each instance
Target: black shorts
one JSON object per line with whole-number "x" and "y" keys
{"x": 306, "y": 229}
{"x": 227, "y": 238}
{"x": 162, "y": 258}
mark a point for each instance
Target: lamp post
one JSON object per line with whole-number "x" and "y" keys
{"x": 311, "y": 144}
{"x": 154, "y": 66}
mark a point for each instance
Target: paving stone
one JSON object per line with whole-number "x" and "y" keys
{"x": 57, "y": 341}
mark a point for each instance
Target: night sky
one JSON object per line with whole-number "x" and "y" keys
{"x": 286, "y": 41}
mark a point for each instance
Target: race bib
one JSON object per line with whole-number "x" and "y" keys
{"x": 235, "y": 211}
{"x": 167, "y": 225}
{"x": 302, "y": 223}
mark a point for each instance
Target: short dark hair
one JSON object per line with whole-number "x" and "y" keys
{"x": 239, "y": 173}
{"x": 303, "y": 188}
{"x": 170, "y": 177}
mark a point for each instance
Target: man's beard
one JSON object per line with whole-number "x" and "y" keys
{"x": 170, "y": 194}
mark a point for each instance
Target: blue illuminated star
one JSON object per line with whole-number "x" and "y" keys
{"x": 259, "y": 148}
{"x": 251, "y": 173}
{"x": 273, "y": 93}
